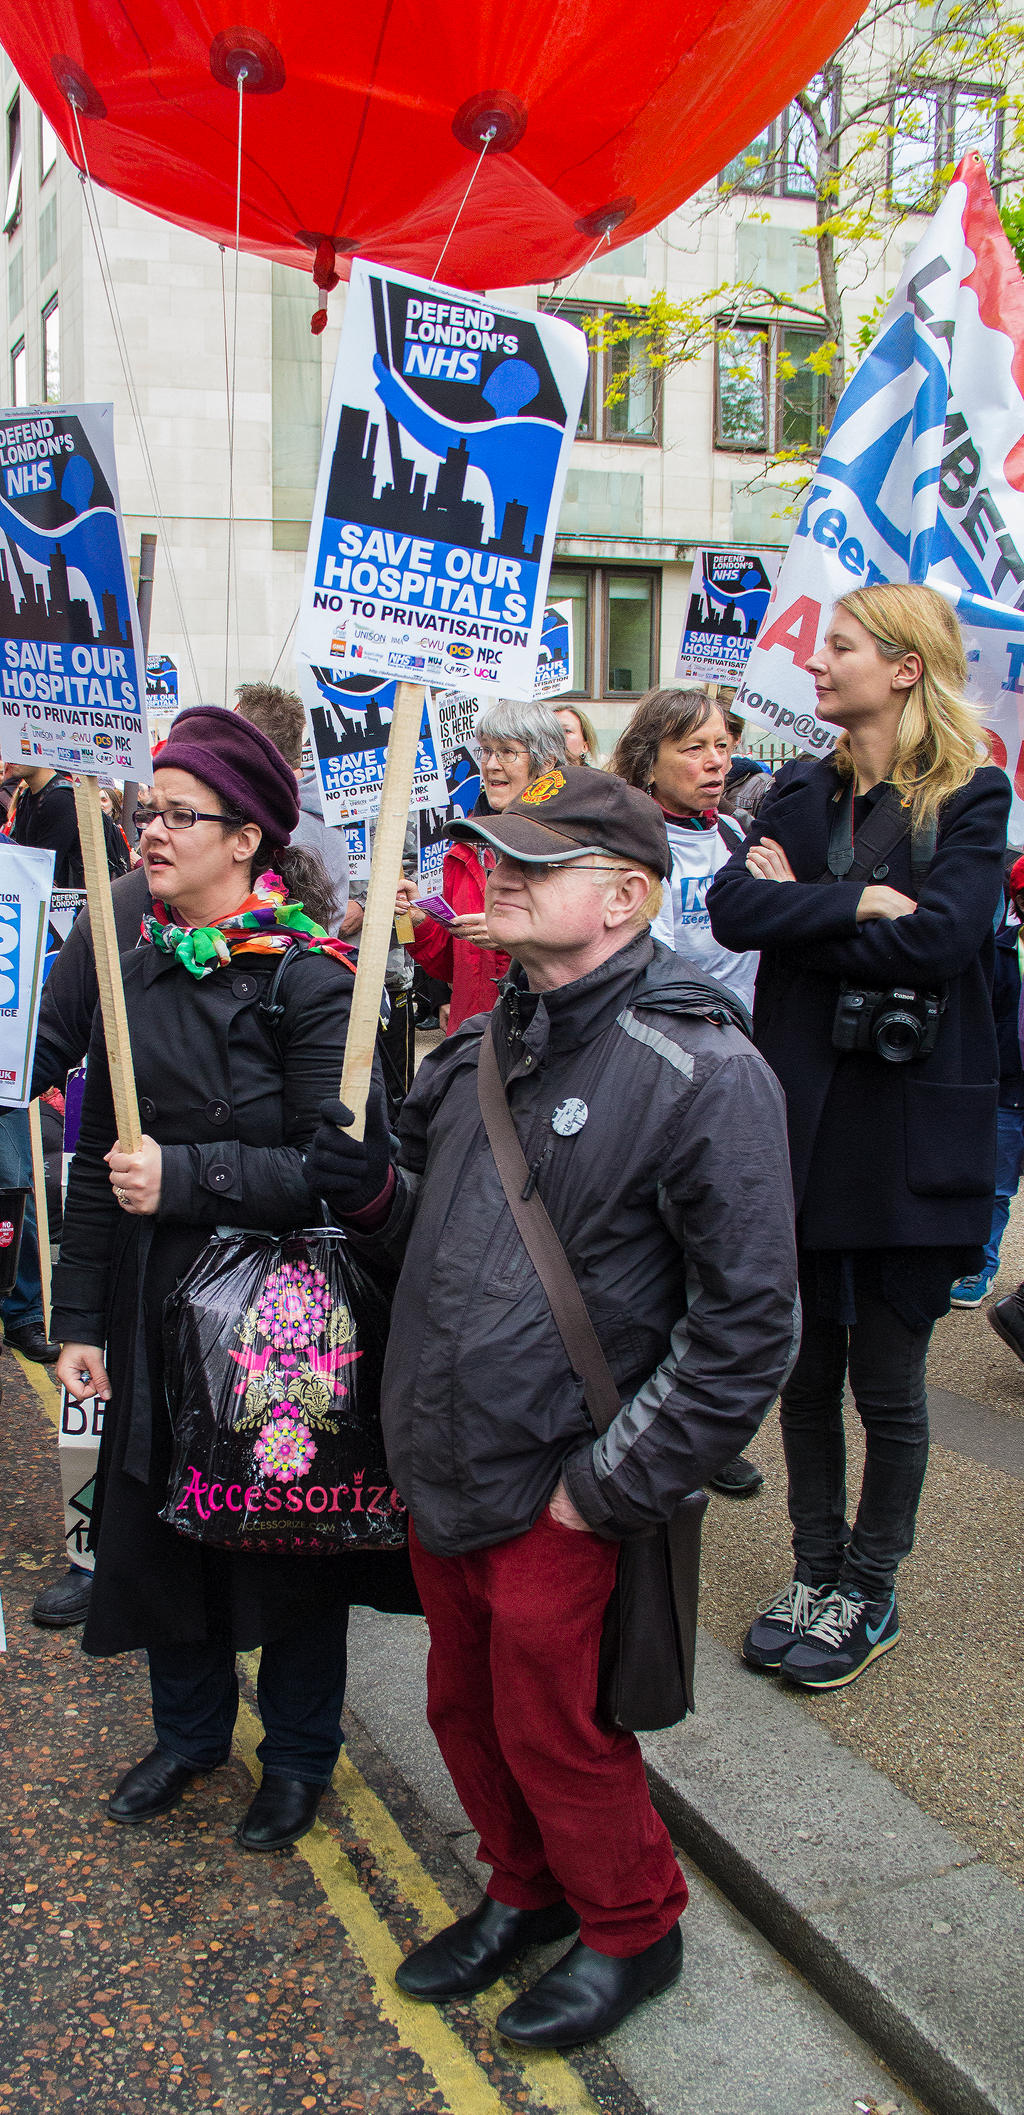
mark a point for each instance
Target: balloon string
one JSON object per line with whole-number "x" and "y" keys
{"x": 488, "y": 136}
{"x": 242, "y": 78}
{"x": 585, "y": 267}
{"x": 120, "y": 340}
{"x": 283, "y": 646}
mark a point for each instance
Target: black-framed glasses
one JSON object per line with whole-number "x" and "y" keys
{"x": 177, "y": 817}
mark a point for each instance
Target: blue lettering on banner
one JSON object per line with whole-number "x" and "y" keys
{"x": 442, "y": 362}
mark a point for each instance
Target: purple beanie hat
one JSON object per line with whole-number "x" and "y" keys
{"x": 231, "y": 755}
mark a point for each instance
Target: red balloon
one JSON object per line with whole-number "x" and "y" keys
{"x": 361, "y": 129}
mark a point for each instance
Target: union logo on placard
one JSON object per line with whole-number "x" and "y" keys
{"x": 542, "y": 789}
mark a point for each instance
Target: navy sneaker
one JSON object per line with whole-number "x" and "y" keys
{"x": 778, "y": 1626}
{"x": 844, "y": 1635}
{"x": 971, "y": 1292}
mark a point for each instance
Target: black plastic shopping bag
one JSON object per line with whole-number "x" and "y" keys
{"x": 273, "y": 1351}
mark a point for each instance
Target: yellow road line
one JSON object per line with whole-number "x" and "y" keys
{"x": 552, "y": 2083}
{"x": 38, "y": 1376}
{"x": 420, "y": 2028}
{"x": 553, "y": 2086}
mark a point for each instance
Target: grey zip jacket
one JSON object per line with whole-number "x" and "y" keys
{"x": 673, "y": 1201}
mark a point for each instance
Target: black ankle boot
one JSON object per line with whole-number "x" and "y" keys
{"x": 472, "y": 1953}
{"x": 283, "y": 1810}
{"x": 586, "y": 1994}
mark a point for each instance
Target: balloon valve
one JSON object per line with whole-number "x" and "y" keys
{"x": 318, "y": 321}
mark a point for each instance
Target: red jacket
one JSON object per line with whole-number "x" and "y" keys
{"x": 474, "y": 973}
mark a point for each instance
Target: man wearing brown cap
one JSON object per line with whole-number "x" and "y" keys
{"x": 638, "y": 1101}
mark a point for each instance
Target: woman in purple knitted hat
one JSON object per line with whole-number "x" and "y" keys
{"x": 229, "y": 1100}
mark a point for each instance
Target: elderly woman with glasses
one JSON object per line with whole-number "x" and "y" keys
{"x": 229, "y": 1099}
{"x": 516, "y": 743}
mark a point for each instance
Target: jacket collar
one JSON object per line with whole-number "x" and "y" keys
{"x": 544, "y": 1023}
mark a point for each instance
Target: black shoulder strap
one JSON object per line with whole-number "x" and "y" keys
{"x": 730, "y": 832}
{"x": 885, "y": 828}
{"x": 541, "y": 1242}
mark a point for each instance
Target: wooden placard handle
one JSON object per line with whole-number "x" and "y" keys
{"x": 108, "y": 964}
{"x": 42, "y": 1217}
{"x": 379, "y": 916}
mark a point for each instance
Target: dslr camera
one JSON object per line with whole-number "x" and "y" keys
{"x": 897, "y": 1025}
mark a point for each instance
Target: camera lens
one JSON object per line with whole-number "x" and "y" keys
{"x": 897, "y": 1036}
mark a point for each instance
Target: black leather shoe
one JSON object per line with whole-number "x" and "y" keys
{"x": 471, "y": 1954}
{"x": 58, "y": 1607}
{"x": 33, "y": 1343}
{"x": 586, "y": 1994}
{"x": 155, "y": 1784}
{"x": 283, "y": 1810}
{"x": 1006, "y": 1317}
{"x": 738, "y": 1478}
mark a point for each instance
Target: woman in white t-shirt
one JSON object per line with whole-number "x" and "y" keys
{"x": 677, "y": 749}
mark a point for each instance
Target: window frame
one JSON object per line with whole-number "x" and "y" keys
{"x": 49, "y": 309}
{"x": 19, "y": 351}
{"x": 598, "y": 428}
{"x": 779, "y": 160}
{"x": 46, "y": 131}
{"x": 599, "y": 575}
{"x": 15, "y": 167}
{"x": 944, "y": 94}
{"x": 772, "y": 330}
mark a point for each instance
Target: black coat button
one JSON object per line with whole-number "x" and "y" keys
{"x": 218, "y": 1112}
{"x": 147, "y": 1109}
{"x": 244, "y": 987}
{"x": 219, "y": 1175}
{"x": 879, "y": 873}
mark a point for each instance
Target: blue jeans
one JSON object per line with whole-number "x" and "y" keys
{"x": 886, "y": 1365}
{"x": 1009, "y": 1164}
{"x": 25, "y": 1304}
{"x": 300, "y": 1691}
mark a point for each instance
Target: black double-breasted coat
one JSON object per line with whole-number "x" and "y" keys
{"x": 232, "y": 1099}
{"x": 883, "y": 1156}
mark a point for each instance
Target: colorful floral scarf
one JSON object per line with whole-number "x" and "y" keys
{"x": 265, "y": 924}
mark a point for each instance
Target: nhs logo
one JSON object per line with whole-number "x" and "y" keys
{"x": 441, "y": 362}
{"x": 10, "y": 953}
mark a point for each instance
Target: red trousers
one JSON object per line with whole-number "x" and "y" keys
{"x": 559, "y": 1800}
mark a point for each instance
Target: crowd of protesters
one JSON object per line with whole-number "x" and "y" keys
{"x": 744, "y": 1026}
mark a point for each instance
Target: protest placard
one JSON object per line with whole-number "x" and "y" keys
{"x": 554, "y": 660}
{"x": 72, "y": 681}
{"x": 26, "y": 878}
{"x": 919, "y": 480}
{"x": 729, "y": 593}
{"x": 357, "y": 838}
{"x": 349, "y": 718}
{"x": 448, "y": 435}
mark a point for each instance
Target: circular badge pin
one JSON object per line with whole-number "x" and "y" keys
{"x": 569, "y": 1117}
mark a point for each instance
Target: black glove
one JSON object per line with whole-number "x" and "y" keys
{"x": 349, "y": 1172}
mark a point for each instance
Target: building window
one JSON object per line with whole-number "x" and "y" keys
{"x": 766, "y": 395}
{"x": 51, "y": 352}
{"x": 635, "y": 412}
{"x": 932, "y": 130}
{"x": 615, "y": 628}
{"x": 19, "y": 373}
{"x": 783, "y": 160}
{"x": 12, "y": 214}
{"x": 47, "y": 148}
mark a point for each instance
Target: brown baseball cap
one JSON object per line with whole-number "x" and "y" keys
{"x": 574, "y": 809}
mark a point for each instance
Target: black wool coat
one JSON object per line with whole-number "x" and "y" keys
{"x": 883, "y": 1155}
{"x": 232, "y": 1101}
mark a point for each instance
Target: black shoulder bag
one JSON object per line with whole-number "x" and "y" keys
{"x": 645, "y": 1678}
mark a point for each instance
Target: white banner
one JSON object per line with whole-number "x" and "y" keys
{"x": 26, "y": 878}
{"x": 921, "y": 478}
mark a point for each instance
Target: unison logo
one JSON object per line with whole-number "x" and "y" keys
{"x": 10, "y": 952}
